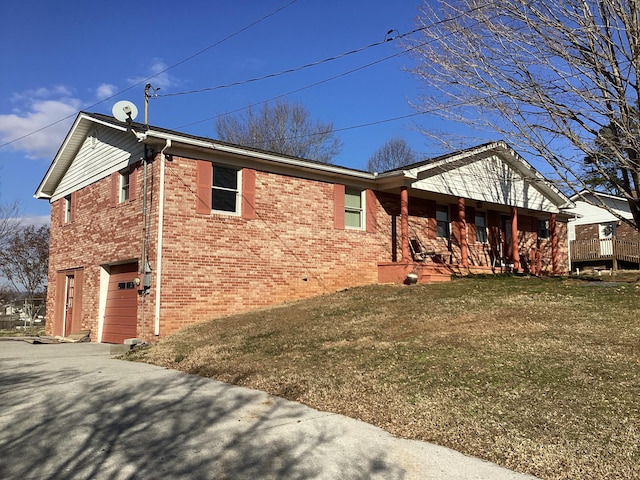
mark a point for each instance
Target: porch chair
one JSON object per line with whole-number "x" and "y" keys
{"x": 418, "y": 252}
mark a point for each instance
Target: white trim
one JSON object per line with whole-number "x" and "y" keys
{"x": 159, "y": 242}
{"x": 363, "y": 211}
{"x": 238, "y": 190}
{"x": 102, "y": 299}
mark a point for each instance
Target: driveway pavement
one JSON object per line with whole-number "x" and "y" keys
{"x": 71, "y": 411}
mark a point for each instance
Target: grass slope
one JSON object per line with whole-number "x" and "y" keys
{"x": 538, "y": 375}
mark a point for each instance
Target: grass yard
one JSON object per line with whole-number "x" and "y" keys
{"x": 539, "y": 375}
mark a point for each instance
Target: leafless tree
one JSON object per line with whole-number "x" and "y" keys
{"x": 24, "y": 261}
{"x": 395, "y": 153}
{"x": 549, "y": 77}
{"x": 281, "y": 127}
{"x": 9, "y": 221}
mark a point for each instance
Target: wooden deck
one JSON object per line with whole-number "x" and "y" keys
{"x": 611, "y": 249}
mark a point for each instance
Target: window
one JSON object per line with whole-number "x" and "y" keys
{"x": 543, "y": 229}
{"x": 442, "y": 221}
{"x": 481, "y": 229}
{"x": 225, "y": 192}
{"x": 353, "y": 208}
{"x": 124, "y": 185}
{"x": 67, "y": 209}
{"x": 606, "y": 230}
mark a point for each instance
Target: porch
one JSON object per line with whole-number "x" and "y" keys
{"x": 611, "y": 250}
{"x": 427, "y": 249}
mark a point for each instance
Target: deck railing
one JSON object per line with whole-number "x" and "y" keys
{"x": 605, "y": 249}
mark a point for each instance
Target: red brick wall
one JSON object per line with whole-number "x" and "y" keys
{"x": 217, "y": 264}
{"x": 587, "y": 232}
{"x": 101, "y": 233}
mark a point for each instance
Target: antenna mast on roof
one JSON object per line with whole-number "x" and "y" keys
{"x": 147, "y": 95}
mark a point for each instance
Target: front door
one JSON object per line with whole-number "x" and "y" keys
{"x": 606, "y": 231}
{"x": 68, "y": 306}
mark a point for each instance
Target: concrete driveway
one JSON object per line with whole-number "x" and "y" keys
{"x": 71, "y": 411}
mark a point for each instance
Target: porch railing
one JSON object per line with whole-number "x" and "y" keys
{"x": 605, "y": 249}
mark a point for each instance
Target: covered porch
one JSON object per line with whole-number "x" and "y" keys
{"x": 446, "y": 222}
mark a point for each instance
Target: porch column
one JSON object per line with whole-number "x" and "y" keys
{"x": 404, "y": 222}
{"x": 462, "y": 227}
{"x": 554, "y": 242}
{"x": 515, "y": 254}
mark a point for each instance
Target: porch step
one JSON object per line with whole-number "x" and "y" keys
{"x": 434, "y": 277}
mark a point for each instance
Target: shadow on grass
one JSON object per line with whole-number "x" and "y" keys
{"x": 90, "y": 422}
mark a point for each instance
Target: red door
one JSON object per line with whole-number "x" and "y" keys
{"x": 68, "y": 306}
{"x": 121, "y": 313}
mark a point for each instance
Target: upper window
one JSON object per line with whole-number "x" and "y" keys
{"x": 67, "y": 209}
{"x": 442, "y": 221}
{"x": 481, "y": 229}
{"x": 124, "y": 185}
{"x": 353, "y": 208}
{"x": 225, "y": 192}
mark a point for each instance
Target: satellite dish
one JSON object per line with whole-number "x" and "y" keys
{"x": 125, "y": 111}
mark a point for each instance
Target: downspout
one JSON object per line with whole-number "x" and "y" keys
{"x": 159, "y": 241}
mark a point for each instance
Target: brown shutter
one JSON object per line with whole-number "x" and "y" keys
{"x": 338, "y": 206}
{"x": 455, "y": 225}
{"x": 432, "y": 229}
{"x": 115, "y": 187}
{"x": 133, "y": 177}
{"x": 248, "y": 193}
{"x": 470, "y": 215}
{"x": 61, "y": 209}
{"x": 493, "y": 220}
{"x": 74, "y": 205}
{"x": 371, "y": 204}
{"x": 204, "y": 177}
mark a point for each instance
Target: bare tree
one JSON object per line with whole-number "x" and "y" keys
{"x": 547, "y": 76}
{"x": 281, "y": 127}
{"x": 24, "y": 261}
{"x": 395, "y": 153}
{"x": 9, "y": 221}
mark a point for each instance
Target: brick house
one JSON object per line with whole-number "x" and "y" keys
{"x": 597, "y": 235}
{"x": 153, "y": 229}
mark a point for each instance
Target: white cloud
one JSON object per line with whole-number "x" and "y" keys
{"x": 40, "y": 124}
{"x": 35, "y": 220}
{"x": 106, "y": 90}
{"x": 42, "y": 92}
{"x": 157, "y": 76}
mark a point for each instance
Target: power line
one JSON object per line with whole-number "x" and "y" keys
{"x": 146, "y": 80}
{"x": 296, "y": 69}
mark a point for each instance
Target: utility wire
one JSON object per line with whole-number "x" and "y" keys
{"x": 146, "y": 80}
{"x": 297, "y": 69}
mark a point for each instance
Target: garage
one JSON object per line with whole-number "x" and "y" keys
{"x": 121, "y": 312}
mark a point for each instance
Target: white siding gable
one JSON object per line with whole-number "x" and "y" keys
{"x": 103, "y": 152}
{"x": 488, "y": 179}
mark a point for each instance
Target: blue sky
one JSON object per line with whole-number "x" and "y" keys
{"x": 63, "y": 57}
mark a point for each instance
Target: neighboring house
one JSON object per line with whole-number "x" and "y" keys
{"x": 153, "y": 229}
{"x": 598, "y": 238}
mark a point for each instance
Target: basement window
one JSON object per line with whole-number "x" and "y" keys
{"x": 225, "y": 191}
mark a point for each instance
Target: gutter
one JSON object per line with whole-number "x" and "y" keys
{"x": 160, "y": 238}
